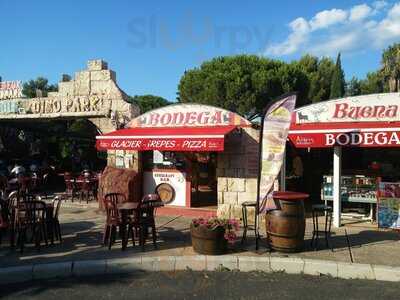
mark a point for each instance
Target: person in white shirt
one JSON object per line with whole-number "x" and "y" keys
{"x": 18, "y": 170}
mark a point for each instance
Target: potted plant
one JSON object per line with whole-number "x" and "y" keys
{"x": 211, "y": 235}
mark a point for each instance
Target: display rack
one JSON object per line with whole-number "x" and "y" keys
{"x": 354, "y": 189}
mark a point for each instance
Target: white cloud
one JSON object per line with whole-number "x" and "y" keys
{"x": 388, "y": 29}
{"x": 336, "y": 30}
{"x": 360, "y": 12}
{"x": 299, "y": 35}
{"x": 378, "y": 5}
{"x": 327, "y": 18}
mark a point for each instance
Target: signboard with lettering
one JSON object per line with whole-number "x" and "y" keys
{"x": 315, "y": 139}
{"x": 188, "y": 115}
{"x": 175, "y": 179}
{"x": 10, "y": 90}
{"x": 163, "y": 144}
{"x": 61, "y": 105}
{"x": 367, "y": 108}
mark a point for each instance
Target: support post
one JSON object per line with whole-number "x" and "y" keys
{"x": 337, "y": 173}
{"x": 283, "y": 173}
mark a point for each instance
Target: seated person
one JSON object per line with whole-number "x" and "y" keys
{"x": 18, "y": 170}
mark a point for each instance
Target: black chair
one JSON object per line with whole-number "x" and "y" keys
{"x": 53, "y": 223}
{"x": 326, "y": 210}
{"x": 246, "y": 226}
{"x": 31, "y": 216}
{"x": 143, "y": 219}
{"x": 4, "y": 218}
{"x": 113, "y": 219}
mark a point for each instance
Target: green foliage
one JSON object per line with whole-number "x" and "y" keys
{"x": 319, "y": 73}
{"x": 353, "y": 87}
{"x": 241, "y": 83}
{"x": 148, "y": 102}
{"x": 29, "y": 88}
{"x": 391, "y": 66}
{"x": 338, "y": 82}
{"x": 374, "y": 83}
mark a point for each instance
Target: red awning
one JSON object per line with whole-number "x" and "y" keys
{"x": 165, "y": 139}
{"x": 351, "y": 134}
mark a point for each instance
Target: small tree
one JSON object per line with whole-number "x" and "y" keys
{"x": 338, "y": 82}
{"x": 38, "y": 88}
{"x": 148, "y": 102}
{"x": 353, "y": 87}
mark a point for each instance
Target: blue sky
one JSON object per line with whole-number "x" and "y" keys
{"x": 151, "y": 43}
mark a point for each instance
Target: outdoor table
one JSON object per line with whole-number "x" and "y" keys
{"x": 14, "y": 211}
{"x": 285, "y": 225}
{"x": 125, "y": 209}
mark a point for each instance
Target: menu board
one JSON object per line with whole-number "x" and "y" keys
{"x": 389, "y": 205}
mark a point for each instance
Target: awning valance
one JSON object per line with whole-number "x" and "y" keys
{"x": 165, "y": 139}
{"x": 350, "y": 134}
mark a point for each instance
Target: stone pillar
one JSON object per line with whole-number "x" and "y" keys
{"x": 237, "y": 171}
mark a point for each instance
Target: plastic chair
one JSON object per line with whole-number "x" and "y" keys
{"x": 70, "y": 186}
{"x": 113, "y": 219}
{"x": 86, "y": 190}
{"x": 144, "y": 219}
{"x": 31, "y": 215}
{"x": 4, "y": 218}
{"x": 53, "y": 223}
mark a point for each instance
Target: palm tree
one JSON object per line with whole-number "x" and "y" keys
{"x": 391, "y": 66}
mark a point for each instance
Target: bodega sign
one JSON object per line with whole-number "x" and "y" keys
{"x": 188, "y": 115}
{"x": 346, "y": 139}
{"x": 368, "y": 108}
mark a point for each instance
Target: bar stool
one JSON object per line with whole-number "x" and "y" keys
{"x": 245, "y": 206}
{"x": 327, "y": 210}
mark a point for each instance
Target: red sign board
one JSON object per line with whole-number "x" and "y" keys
{"x": 162, "y": 144}
{"x": 347, "y": 139}
{"x": 188, "y": 115}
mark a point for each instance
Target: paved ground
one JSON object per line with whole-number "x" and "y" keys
{"x": 82, "y": 233}
{"x": 202, "y": 285}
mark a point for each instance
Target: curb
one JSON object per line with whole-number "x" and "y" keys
{"x": 199, "y": 263}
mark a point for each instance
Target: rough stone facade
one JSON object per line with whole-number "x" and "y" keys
{"x": 237, "y": 171}
{"x": 92, "y": 94}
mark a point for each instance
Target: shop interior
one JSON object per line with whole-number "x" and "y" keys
{"x": 198, "y": 169}
{"x": 362, "y": 168}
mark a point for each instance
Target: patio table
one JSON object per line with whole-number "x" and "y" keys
{"x": 14, "y": 212}
{"x": 125, "y": 210}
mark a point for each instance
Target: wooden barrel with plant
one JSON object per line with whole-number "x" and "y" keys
{"x": 211, "y": 236}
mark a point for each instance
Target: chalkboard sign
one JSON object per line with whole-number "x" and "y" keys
{"x": 389, "y": 205}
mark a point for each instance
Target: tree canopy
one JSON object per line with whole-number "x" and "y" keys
{"x": 38, "y": 87}
{"x": 338, "y": 82}
{"x": 319, "y": 73}
{"x": 241, "y": 83}
{"x": 148, "y": 102}
{"x": 391, "y": 66}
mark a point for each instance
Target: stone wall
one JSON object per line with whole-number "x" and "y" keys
{"x": 237, "y": 171}
{"x": 92, "y": 94}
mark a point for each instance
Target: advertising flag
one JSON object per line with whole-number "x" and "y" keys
{"x": 274, "y": 131}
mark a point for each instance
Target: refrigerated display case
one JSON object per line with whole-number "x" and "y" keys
{"x": 354, "y": 188}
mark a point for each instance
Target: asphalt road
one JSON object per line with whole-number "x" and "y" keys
{"x": 202, "y": 285}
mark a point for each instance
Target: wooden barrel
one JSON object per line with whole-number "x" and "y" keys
{"x": 209, "y": 241}
{"x": 286, "y": 224}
